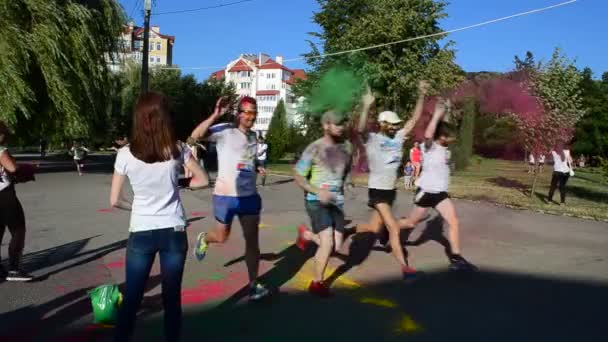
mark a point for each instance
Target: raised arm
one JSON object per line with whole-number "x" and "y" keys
{"x": 367, "y": 99}
{"x": 423, "y": 87}
{"x": 201, "y": 130}
{"x": 438, "y": 114}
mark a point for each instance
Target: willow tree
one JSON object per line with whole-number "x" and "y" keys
{"x": 53, "y": 65}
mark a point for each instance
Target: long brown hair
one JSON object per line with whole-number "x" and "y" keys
{"x": 153, "y": 137}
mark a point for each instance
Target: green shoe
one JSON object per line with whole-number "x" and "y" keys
{"x": 200, "y": 250}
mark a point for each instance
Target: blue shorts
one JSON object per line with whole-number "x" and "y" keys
{"x": 325, "y": 216}
{"x": 226, "y": 207}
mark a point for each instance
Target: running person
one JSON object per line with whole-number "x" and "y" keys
{"x": 80, "y": 153}
{"x": 235, "y": 192}
{"x": 321, "y": 172}
{"x": 384, "y": 153}
{"x": 433, "y": 186}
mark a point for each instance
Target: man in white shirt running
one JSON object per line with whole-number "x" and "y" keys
{"x": 235, "y": 192}
{"x": 384, "y": 153}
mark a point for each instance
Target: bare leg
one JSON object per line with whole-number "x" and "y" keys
{"x": 373, "y": 226}
{"x": 394, "y": 230}
{"x": 338, "y": 240}
{"x": 219, "y": 234}
{"x": 323, "y": 253}
{"x": 250, "y": 225}
{"x": 448, "y": 212}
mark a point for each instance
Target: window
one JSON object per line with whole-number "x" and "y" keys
{"x": 272, "y": 86}
{"x": 245, "y": 85}
{"x": 268, "y": 76}
{"x": 273, "y": 75}
{"x": 152, "y": 59}
{"x": 158, "y": 46}
{"x": 151, "y": 45}
{"x": 261, "y": 74}
{"x": 157, "y": 59}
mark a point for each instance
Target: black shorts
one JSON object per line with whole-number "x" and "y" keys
{"x": 11, "y": 211}
{"x": 324, "y": 216}
{"x": 429, "y": 200}
{"x": 381, "y": 196}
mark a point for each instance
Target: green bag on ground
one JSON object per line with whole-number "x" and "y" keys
{"x": 106, "y": 300}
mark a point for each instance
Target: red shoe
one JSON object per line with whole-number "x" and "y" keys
{"x": 318, "y": 288}
{"x": 301, "y": 242}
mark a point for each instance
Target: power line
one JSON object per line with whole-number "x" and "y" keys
{"x": 443, "y": 33}
{"x": 135, "y": 5}
{"x": 202, "y": 8}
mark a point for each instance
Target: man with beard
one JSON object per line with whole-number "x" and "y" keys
{"x": 321, "y": 172}
{"x": 235, "y": 192}
{"x": 384, "y": 153}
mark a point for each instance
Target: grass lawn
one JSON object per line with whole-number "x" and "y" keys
{"x": 508, "y": 183}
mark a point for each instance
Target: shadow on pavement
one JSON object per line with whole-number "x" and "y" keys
{"x": 488, "y": 306}
{"x": 54, "y": 320}
{"x": 33, "y": 262}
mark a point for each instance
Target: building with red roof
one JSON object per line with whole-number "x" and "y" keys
{"x": 266, "y": 79}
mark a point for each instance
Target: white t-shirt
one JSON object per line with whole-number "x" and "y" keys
{"x": 384, "y": 156}
{"x": 435, "y": 174}
{"x": 79, "y": 152}
{"x": 560, "y": 165}
{"x": 156, "y": 201}
{"x": 541, "y": 159}
{"x": 236, "y": 155}
{"x": 531, "y": 159}
{"x": 262, "y": 149}
{"x": 5, "y": 179}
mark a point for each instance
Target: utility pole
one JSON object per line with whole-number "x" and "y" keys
{"x": 145, "y": 58}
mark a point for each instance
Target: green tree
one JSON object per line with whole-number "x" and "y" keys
{"x": 591, "y": 136}
{"x": 189, "y": 101}
{"x": 393, "y": 70}
{"x": 556, "y": 84}
{"x": 277, "y": 137}
{"x": 53, "y": 56}
{"x": 463, "y": 150}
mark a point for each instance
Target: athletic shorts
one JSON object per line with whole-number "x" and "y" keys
{"x": 325, "y": 216}
{"x": 262, "y": 163}
{"x": 11, "y": 211}
{"x": 381, "y": 196}
{"x": 429, "y": 200}
{"x": 226, "y": 207}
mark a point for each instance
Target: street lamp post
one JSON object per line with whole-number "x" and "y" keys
{"x": 145, "y": 58}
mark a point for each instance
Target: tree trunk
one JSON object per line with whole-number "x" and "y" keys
{"x": 533, "y": 190}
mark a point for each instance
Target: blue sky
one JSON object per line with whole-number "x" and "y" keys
{"x": 279, "y": 27}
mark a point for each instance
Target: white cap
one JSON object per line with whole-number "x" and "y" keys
{"x": 390, "y": 117}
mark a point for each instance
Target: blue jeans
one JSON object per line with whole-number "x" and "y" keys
{"x": 142, "y": 247}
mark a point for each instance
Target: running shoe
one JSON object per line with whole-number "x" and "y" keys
{"x": 319, "y": 288}
{"x": 258, "y": 291}
{"x": 460, "y": 264}
{"x": 18, "y": 275}
{"x": 410, "y": 274}
{"x": 200, "y": 249}
{"x": 301, "y": 242}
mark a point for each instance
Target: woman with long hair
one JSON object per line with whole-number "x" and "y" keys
{"x": 562, "y": 169}
{"x": 11, "y": 211}
{"x": 151, "y": 162}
